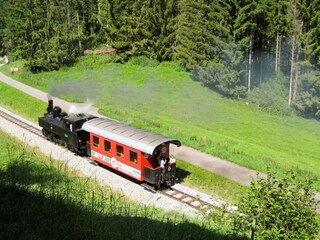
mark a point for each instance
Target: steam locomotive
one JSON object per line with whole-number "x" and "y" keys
{"x": 59, "y": 127}
{"x": 139, "y": 154}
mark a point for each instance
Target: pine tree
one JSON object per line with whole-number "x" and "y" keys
{"x": 109, "y": 29}
{"x": 306, "y": 82}
{"x": 221, "y": 71}
{"x": 168, "y": 20}
{"x": 19, "y": 27}
{"x": 296, "y": 31}
{"x": 2, "y": 27}
{"x": 122, "y": 14}
{"x": 42, "y": 33}
{"x": 246, "y": 30}
{"x": 219, "y": 27}
{"x": 312, "y": 36}
{"x": 191, "y": 46}
{"x": 144, "y": 27}
{"x": 278, "y": 24}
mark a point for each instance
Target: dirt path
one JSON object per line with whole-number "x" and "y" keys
{"x": 218, "y": 166}
{"x": 43, "y": 96}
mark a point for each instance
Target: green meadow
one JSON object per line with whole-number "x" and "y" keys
{"x": 165, "y": 99}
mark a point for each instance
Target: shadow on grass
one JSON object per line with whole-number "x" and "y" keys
{"x": 182, "y": 174}
{"x": 27, "y": 214}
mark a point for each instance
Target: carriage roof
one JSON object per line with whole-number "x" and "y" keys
{"x": 79, "y": 116}
{"x": 133, "y": 137}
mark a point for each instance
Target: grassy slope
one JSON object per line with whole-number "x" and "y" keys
{"x": 20, "y": 103}
{"x": 167, "y": 101}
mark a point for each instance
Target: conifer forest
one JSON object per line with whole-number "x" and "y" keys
{"x": 267, "y": 51}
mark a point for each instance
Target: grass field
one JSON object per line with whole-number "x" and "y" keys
{"x": 40, "y": 198}
{"x": 166, "y": 100}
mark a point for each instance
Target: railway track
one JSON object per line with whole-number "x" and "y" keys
{"x": 185, "y": 198}
{"x": 21, "y": 123}
{"x": 180, "y": 196}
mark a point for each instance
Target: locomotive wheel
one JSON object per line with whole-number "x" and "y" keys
{"x": 70, "y": 147}
{"x": 51, "y": 137}
{"x": 56, "y": 140}
{"x": 44, "y": 132}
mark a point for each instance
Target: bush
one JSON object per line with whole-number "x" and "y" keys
{"x": 143, "y": 61}
{"x": 121, "y": 46}
{"x": 308, "y": 100}
{"x": 220, "y": 78}
{"x": 94, "y": 61}
{"x": 272, "y": 96}
{"x": 173, "y": 65}
{"x": 278, "y": 209}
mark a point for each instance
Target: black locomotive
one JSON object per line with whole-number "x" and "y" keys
{"x": 59, "y": 127}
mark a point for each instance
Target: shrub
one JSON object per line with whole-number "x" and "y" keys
{"x": 271, "y": 96}
{"x": 278, "y": 209}
{"x": 143, "y": 61}
{"x": 220, "y": 78}
{"x": 121, "y": 46}
{"x": 173, "y": 65}
{"x": 308, "y": 100}
{"x": 94, "y": 61}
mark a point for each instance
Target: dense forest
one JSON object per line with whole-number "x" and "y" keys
{"x": 265, "y": 50}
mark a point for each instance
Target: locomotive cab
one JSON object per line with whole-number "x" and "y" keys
{"x": 59, "y": 127}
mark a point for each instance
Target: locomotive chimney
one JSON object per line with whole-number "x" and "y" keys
{"x": 50, "y": 106}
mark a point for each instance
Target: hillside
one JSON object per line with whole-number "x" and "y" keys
{"x": 163, "y": 98}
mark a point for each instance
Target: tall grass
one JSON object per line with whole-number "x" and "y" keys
{"x": 41, "y": 198}
{"x": 23, "y": 104}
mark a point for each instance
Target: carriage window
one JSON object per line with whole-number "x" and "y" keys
{"x": 119, "y": 151}
{"x": 107, "y": 146}
{"x": 133, "y": 157}
{"x": 95, "y": 141}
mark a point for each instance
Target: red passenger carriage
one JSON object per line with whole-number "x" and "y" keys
{"x": 137, "y": 153}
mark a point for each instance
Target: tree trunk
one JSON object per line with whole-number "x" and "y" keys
{"x": 99, "y": 15}
{"x": 47, "y": 24}
{"x": 296, "y": 82}
{"x": 250, "y": 61}
{"x": 297, "y": 67}
{"x": 68, "y": 19}
{"x": 79, "y": 33}
{"x": 278, "y": 53}
{"x": 291, "y": 70}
